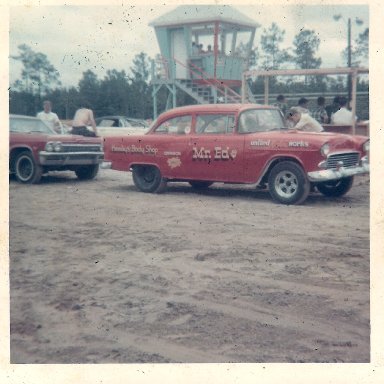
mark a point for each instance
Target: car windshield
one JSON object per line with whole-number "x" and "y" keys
{"x": 110, "y": 122}
{"x": 138, "y": 123}
{"x": 29, "y": 125}
{"x": 120, "y": 122}
{"x": 260, "y": 120}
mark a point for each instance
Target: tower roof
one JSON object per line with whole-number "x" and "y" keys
{"x": 189, "y": 14}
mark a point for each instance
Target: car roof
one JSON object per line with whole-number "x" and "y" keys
{"x": 117, "y": 117}
{"x": 236, "y": 107}
{"x": 111, "y": 117}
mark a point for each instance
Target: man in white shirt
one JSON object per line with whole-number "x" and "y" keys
{"x": 49, "y": 117}
{"x": 343, "y": 116}
{"x": 299, "y": 120}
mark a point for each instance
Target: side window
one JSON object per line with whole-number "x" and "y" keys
{"x": 180, "y": 125}
{"x": 106, "y": 123}
{"x": 215, "y": 124}
{"x": 248, "y": 122}
{"x": 260, "y": 120}
{"x": 124, "y": 123}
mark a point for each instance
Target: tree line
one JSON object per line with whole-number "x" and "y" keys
{"x": 117, "y": 93}
{"x": 130, "y": 93}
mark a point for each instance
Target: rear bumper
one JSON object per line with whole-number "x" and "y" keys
{"x": 70, "y": 158}
{"x": 335, "y": 174}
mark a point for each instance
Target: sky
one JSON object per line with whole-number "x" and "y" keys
{"x": 76, "y": 38}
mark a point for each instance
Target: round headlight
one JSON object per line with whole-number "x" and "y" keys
{"x": 366, "y": 146}
{"x": 325, "y": 149}
{"x": 57, "y": 147}
{"x": 49, "y": 146}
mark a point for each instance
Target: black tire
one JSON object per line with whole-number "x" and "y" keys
{"x": 87, "y": 172}
{"x": 200, "y": 184}
{"x": 147, "y": 178}
{"x": 335, "y": 188}
{"x": 26, "y": 169}
{"x": 288, "y": 183}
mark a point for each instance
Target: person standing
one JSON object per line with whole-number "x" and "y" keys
{"x": 49, "y": 117}
{"x": 343, "y": 116}
{"x": 332, "y": 108}
{"x": 195, "y": 49}
{"x": 281, "y": 104}
{"x": 82, "y": 119}
{"x": 302, "y": 121}
{"x": 320, "y": 114}
{"x": 303, "y": 105}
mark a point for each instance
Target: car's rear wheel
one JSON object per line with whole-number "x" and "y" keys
{"x": 200, "y": 184}
{"x": 288, "y": 183}
{"x": 335, "y": 188}
{"x": 87, "y": 172}
{"x": 26, "y": 169}
{"x": 147, "y": 178}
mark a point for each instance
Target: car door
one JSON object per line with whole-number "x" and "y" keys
{"x": 170, "y": 142}
{"x": 261, "y": 129}
{"x": 216, "y": 151}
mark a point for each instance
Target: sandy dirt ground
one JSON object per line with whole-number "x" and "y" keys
{"x": 102, "y": 273}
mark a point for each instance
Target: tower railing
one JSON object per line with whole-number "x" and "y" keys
{"x": 203, "y": 76}
{"x": 215, "y": 82}
{"x": 160, "y": 69}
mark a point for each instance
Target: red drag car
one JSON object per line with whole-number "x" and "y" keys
{"x": 237, "y": 143}
{"x": 35, "y": 149}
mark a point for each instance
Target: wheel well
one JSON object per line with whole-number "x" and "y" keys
{"x": 264, "y": 179}
{"x": 13, "y": 154}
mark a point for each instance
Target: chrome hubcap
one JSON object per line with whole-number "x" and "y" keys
{"x": 286, "y": 184}
{"x": 24, "y": 168}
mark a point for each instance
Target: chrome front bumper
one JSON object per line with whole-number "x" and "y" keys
{"x": 335, "y": 174}
{"x": 70, "y": 158}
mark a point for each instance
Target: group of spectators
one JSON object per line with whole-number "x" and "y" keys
{"x": 198, "y": 49}
{"x": 82, "y": 119}
{"x": 300, "y": 117}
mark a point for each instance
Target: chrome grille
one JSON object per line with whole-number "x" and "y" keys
{"x": 348, "y": 160}
{"x": 81, "y": 148}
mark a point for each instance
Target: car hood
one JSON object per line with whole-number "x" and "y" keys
{"x": 74, "y": 139}
{"x": 311, "y": 140}
{"x": 45, "y": 137}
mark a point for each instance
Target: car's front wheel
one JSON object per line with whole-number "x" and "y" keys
{"x": 147, "y": 178}
{"x": 87, "y": 172}
{"x": 288, "y": 183}
{"x": 26, "y": 168}
{"x": 335, "y": 188}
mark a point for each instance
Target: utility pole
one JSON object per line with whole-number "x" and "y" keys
{"x": 349, "y": 48}
{"x": 349, "y": 61}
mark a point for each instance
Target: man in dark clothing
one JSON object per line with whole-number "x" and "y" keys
{"x": 303, "y": 105}
{"x": 281, "y": 103}
{"x": 332, "y": 108}
{"x": 320, "y": 114}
